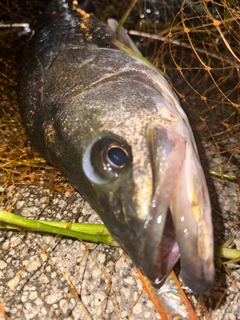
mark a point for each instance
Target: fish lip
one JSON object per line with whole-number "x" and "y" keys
{"x": 161, "y": 250}
{"x": 172, "y": 195}
{"x": 193, "y": 224}
{"x": 196, "y": 283}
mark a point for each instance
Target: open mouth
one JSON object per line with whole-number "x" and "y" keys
{"x": 160, "y": 256}
{"x": 169, "y": 240}
{"x": 179, "y": 223}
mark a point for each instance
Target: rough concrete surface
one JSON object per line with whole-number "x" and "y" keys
{"x": 49, "y": 277}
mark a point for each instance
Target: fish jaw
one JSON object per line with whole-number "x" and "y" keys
{"x": 179, "y": 223}
{"x": 191, "y": 212}
{"x": 167, "y": 148}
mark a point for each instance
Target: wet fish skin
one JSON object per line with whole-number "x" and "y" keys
{"x": 44, "y": 109}
{"x": 80, "y": 97}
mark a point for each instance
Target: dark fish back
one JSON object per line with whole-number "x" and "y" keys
{"x": 65, "y": 35}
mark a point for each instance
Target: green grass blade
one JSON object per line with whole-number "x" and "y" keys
{"x": 125, "y": 16}
{"x": 228, "y": 253}
{"x": 225, "y": 176}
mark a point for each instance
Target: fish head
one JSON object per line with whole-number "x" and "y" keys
{"x": 132, "y": 155}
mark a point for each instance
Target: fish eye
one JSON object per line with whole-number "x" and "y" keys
{"x": 105, "y": 158}
{"x": 116, "y": 156}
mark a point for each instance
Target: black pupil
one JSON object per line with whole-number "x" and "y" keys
{"x": 117, "y": 156}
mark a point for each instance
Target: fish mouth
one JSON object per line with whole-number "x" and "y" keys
{"x": 179, "y": 222}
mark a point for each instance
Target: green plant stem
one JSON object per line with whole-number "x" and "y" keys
{"x": 87, "y": 232}
{"x": 92, "y": 232}
{"x": 225, "y": 176}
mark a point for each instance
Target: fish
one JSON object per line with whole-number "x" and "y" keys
{"x": 170, "y": 299}
{"x": 114, "y": 127}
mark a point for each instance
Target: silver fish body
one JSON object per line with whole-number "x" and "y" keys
{"x": 113, "y": 126}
